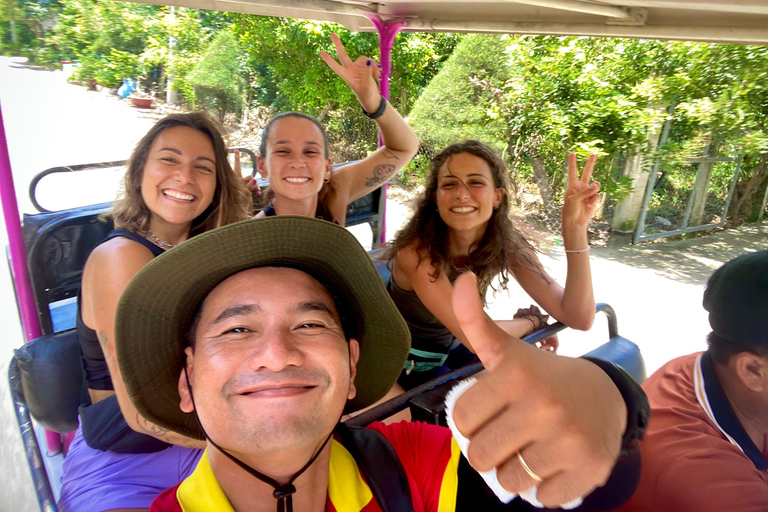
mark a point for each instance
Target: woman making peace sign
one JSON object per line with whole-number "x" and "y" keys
{"x": 462, "y": 224}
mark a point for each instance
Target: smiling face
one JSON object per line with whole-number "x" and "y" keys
{"x": 271, "y": 369}
{"x": 466, "y": 194}
{"x": 179, "y": 178}
{"x": 295, "y": 160}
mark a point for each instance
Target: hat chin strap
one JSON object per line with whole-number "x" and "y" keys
{"x": 282, "y": 493}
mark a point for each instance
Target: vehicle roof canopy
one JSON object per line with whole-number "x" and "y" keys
{"x": 725, "y": 21}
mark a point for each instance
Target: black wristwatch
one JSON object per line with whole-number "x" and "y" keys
{"x": 638, "y": 408}
{"x": 379, "y": 112}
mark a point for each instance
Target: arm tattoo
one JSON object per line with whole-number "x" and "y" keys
{"x": 381, "y": 173}
{"x": 103, "y": 339}
{"x": 166, "y": 435}
{"x": 387, "y": 153}
{"x": 150, "y": 428}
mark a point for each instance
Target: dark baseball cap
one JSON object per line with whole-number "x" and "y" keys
{"x": 737, "y": 299}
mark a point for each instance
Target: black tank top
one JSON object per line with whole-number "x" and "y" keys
{"x": 320, "y": 213}
{"x": 96, "y": 370}
{"x": 428, "y": 334}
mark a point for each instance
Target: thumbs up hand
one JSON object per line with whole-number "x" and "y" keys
{"x": 561, "y": 417}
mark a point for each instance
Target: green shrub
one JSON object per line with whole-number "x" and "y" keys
{"x": 117, "y": 67}
{"x": 89, "y": 67}
{"x": 216, "y": 78}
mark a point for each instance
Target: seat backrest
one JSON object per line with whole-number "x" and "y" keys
{"x": 58, "y": 245}
{"x": 622, "y": 352}
{"x": 52, "y": 379}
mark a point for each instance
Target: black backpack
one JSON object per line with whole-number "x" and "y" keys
{"x": 380, "y": 466}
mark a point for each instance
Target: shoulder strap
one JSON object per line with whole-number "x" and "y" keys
{"x": 379, "y": 465}
{"x": 269, "y": 210}
{"x": 130, "y": 235}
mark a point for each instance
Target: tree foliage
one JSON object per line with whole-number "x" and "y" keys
{"x": 537, "y": 98}
{"x": 534, "y": 98}
{"x": 285, "y": 72}
{"x": 216, "y": 79}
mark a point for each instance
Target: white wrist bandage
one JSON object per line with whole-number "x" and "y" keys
{"x": 490, "y": 478}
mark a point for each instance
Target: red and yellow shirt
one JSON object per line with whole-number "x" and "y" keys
{"x": 429, "y": 456}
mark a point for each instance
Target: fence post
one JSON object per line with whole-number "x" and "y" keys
{"x": 732, "y": 190}
{"x": 640, "y": 229}
{"x": 762, "y": 208}
{"x": 703, "y": 180}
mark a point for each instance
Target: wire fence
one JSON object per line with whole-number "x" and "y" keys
{"x": 693, "y": 195}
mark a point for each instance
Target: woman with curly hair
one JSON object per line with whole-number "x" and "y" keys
{"x": 178, "y": 183}
{"x": 462, "y": 224}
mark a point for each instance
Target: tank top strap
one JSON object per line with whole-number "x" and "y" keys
{"x": 130, "y": 235}
{"x": 320, "y": 213}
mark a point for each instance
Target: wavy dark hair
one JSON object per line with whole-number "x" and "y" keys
{"x": 503, "y": 245}
{"x": 327, "y": 192}
{"x": 231, "y": 200}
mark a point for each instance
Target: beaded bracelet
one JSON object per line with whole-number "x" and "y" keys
{"x": 578, "y": 250}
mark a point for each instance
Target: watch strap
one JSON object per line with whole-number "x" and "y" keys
{"x": 379, "y": 112}
{"x": 638, "y": 408}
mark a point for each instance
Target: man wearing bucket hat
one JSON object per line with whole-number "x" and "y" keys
{"x": 706, "y": 448}
{"x": 286, "y": 325}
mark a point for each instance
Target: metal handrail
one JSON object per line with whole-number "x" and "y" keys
{"x": 613, "y": 325}
{"x": 101, "y": 165}
{"x": 67, "y": 168}
{"x": 400, "y": 402}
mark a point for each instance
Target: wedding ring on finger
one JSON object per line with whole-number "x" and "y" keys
{"x": 527, "y": 469}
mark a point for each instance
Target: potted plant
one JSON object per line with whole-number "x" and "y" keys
{"x": 142, "y": 99}
{"x": 87, "y": 71}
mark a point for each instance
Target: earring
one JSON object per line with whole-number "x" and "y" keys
{"x": 327, "y": 180}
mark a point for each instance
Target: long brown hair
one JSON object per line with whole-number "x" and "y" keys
{"x": 503, "y": 245}
{"x": 231, "y": 200}
{"x": 327, "y": 192}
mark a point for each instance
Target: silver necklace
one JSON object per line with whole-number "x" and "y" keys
{"x": 160, "y": 243}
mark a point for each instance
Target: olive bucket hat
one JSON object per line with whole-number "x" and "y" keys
{"x": 157, "y": 307}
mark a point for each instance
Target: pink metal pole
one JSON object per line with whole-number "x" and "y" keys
{"x": 29, "y": 321}
{"x": 387, "y": 31}
{"x": 30, "y": 324}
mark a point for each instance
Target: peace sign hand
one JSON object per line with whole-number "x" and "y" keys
{"x": 564, "y": 416}
{"x": 361, "y": 75}
{"x": 581, "y": 196}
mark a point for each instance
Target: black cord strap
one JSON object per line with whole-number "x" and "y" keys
{"x": 282, "y": 493}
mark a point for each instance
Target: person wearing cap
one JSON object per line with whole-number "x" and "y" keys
{"x": 258, "y": 336}
{"x": 706, "y": 447}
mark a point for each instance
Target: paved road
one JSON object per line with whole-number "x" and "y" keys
{"x": 49, "y": 123}
{"x": 655, "y": 289}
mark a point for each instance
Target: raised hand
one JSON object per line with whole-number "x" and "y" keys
{"x": 249, "y": 181}
{"x": 564, "y": 416}
{"x": 581, "y": 196}
{"x": 361, "y": 75}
